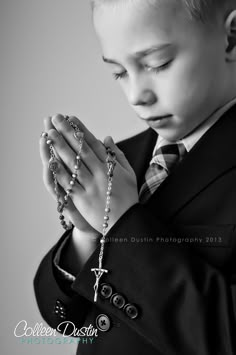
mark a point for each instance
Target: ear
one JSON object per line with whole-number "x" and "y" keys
{"x": 230, "y": 27}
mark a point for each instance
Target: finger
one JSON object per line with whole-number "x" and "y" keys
{"x": 48, "y": 181}
{"x": 47, "y": 174}
{"x": 108, "y": 142}
{"x": 95, "y": 144}
{"x": 48, "y": 123}
{"x": 47, "y": 126}
{"x": 66, "y": 182}
{"x": 48, "y": 178}
{"x": 88, "y": 156}
{"x": 60, "y": 193}
{"x": 45, "y": 154}
{"x": 68, "y": 157}
{"x": 44, "y": 149}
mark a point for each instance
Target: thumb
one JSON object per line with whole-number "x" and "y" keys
{"x": 108, "y": 142}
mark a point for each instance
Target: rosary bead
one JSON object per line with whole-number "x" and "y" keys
{"x": 49, "y": 141}
{"x": 74, "y": 176}
{"x": 60, "y": 207}
{"x": 106, "y": 218}
{"x": 77, "y": 157}
{"x": 107, "y": 209}
{"x": 109, "y": 193}
{"x": 72, "y": 182}
{"x": 102, "y": 241}
{"x": 76, "y": 167}
{"x": 105, "y": 225}
{"x": 69, "y": 191}
{"x": 44, "y": 135}
{"x": 61, "y": 216}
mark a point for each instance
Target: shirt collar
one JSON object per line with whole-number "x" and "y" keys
{"x": 190, "y": 140}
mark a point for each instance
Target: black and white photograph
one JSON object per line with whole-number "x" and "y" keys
{"x": 119, "y": 177}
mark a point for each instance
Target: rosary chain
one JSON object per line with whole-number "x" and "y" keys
{"x": 53, "y": 166}
{"x": 111, "y": 163}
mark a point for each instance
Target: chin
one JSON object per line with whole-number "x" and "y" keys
{"x": 168, "y": 134}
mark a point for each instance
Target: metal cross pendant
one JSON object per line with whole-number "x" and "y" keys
{"x": 98, "y": 274}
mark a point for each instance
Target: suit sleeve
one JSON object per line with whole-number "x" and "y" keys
{"x": 65, "y": 274}
{"x": 185, "y": 305}
{"x": 55, "y": 298}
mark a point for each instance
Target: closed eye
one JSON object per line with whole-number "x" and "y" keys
{"x": 158, "y": 69}
{"x": 119, "y": 75}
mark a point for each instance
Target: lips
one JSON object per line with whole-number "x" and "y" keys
{"x": 156, "y": 118}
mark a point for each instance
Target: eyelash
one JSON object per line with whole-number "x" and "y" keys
{"x": 155, "y": 70}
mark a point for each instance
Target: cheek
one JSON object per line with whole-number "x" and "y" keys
{"x": 189, "y": 82}
{"x": 124, "y": 85}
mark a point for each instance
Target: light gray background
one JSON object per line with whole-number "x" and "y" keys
{"x": 50, "y": 62}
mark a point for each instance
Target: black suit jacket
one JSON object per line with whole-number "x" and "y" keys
{"x": 185, "y": 294}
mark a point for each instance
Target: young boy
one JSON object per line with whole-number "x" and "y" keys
{"x": 175, "y": 182}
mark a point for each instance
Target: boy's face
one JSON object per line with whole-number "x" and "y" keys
{"x": 169, "y": 67}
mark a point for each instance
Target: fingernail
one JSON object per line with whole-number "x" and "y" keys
{"x": 58, "y": 118}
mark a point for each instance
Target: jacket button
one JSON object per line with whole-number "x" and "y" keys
{"x": 103, "y": 322}
{"x": 60, "y": 309}
{"x": 131, "y": 311}
{"x": 106, "y": 290}
{"x": 118, "y": 300}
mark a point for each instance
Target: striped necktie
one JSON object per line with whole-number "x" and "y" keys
{"x": 163, "y": 161}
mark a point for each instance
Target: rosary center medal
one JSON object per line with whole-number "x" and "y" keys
{"x": 53, "y": 164}
{"x": 78, "y": 134}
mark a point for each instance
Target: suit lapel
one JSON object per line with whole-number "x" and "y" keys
{"x": 214, "y": 154}
{"x": 138, "y": 150}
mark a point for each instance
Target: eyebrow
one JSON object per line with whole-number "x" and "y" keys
{"x": 142, "y": 53}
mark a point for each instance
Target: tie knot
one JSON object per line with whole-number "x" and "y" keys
{"x": 168, "y": 155}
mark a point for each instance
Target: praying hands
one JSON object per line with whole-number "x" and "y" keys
{"x": 84, "y": 178}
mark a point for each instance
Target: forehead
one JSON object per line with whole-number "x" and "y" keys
{"x": 127, "y": 27}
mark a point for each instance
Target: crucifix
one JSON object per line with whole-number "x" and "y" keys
{"x": 98, "y": 274}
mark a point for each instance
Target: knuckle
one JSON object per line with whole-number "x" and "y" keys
{"x": 100, "y": 174}
{"x": 85, "y": 150}
{"x": 54, "y": 134}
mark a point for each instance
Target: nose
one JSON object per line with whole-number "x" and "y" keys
{"x": 141, "y": 94}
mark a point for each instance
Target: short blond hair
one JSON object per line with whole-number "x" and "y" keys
{"x": 200, "y": 10}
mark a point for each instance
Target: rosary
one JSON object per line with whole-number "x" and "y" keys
{"x": 53, "y": 167}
